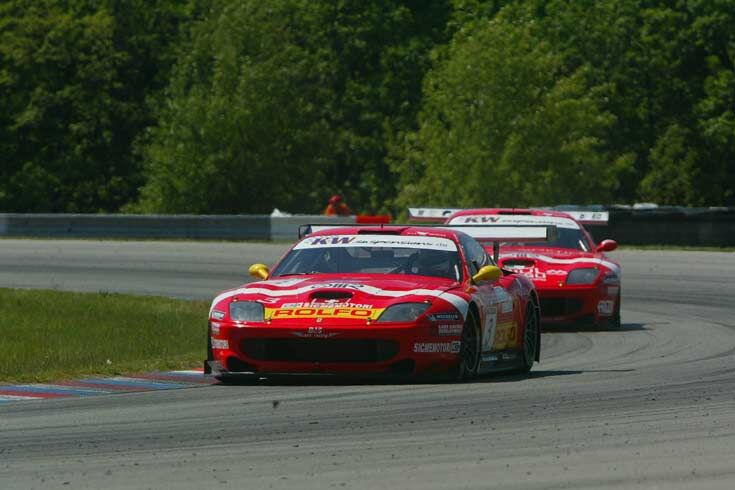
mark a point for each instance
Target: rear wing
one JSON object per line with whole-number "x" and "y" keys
{"x": 441, "y": 214}
{"x": 594, "y": 218}
{"x": 431, "y": 214}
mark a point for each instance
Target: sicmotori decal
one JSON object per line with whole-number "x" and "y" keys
{"x": 345, "y": 241}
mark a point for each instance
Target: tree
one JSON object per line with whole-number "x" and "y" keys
{"x": 503, "y": 125}
{"x": 75, "y": 77}
{"x": 280, "y": 104}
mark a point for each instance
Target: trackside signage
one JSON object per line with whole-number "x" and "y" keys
{"x": 513, "y": 219}
{"x": 346, "y": 241}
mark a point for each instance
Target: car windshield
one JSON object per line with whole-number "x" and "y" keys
{"x": 373, "y": 254}
{"x": 568, "y": 232}
{"x": 565, "y": 238}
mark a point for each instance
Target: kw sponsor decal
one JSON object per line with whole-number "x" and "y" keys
{"x": 353, "y": 313}
{"x": 437, "y": 347}
{"x": 330, "y": 240}
{"x": 219, "y": 315}
{"x": 504, "y": 219}
{"x": 314, "y": 333}
{"x": 477, "y": 219}
{"x": 505, "y": 335}
{"x": 341, "y": 241}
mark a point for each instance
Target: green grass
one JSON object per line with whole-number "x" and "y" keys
{"x": 47, "y": 335}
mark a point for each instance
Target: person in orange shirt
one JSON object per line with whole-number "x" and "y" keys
{"x": 337, "y": 207}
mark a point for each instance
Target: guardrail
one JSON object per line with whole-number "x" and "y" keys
{"x": 675, "y": 226}
{"x": 226, "y": 227}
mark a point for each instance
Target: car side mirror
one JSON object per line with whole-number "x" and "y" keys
{"x": 607, "y": 246}
{"x": 487, "y": 273}
{"x": 259, "y": 271}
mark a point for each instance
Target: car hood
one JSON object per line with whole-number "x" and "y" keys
{"x": 337, "y": 296}
{"x": 546, "y": 264}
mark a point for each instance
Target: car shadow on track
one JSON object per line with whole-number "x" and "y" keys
{"x": 576, "y": 328}
{"x": 336, "y": 380}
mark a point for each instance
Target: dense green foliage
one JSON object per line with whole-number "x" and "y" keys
{"x": 75, "y": 76}
{"x": 215, "y": 106}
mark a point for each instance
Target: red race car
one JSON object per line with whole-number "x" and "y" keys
{"x": 575, "y": 280}
{"x": 397, "y": 300}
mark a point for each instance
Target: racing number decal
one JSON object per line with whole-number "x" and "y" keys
{"x": 491, "y": 318}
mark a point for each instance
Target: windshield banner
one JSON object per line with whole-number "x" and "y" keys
{"x": 382, "y": 241}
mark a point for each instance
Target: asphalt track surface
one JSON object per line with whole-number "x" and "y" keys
{"x": 651, "y": 406}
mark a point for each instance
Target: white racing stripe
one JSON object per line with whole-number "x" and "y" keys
{"x": 458, "y": 302}
{"x": 610, "y": 265}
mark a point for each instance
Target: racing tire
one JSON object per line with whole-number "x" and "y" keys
{"x": 614, "y": 323}
{"x": 469, "y": 352}
{"x": 531, "y": 343}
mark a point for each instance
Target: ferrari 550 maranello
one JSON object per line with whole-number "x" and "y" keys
{"x": 394, "y": 300}
{"x": 575, "y": 280}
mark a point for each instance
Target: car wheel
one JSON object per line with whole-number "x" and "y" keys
{"x": 469, "y": 353}
{"x": 530, "y": 338}
{"x": 615, "y": 322}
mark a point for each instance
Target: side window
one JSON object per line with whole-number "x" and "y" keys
{"x": 474, "y": 253}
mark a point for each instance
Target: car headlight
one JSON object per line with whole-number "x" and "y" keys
{"x": 403, "y": 312}
{"x": 246, "y": 311}
{"x": 582, "y": 276}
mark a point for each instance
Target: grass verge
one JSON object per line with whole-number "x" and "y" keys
{"x": 49, "y": 335}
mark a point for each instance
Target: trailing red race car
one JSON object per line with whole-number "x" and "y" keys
{"x": 395, "y": 300}
{"x": 575, "y": 280}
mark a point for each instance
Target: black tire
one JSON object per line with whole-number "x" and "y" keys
{"x": 615, "y": 323}
{"x": 469, "y": 353}
{"x": 531, "y": 344}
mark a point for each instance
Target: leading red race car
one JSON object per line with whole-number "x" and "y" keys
{"x": 575, "y": 280}
{"x": 396, "y": 300}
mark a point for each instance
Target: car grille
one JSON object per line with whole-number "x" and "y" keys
{"x": 560, "y": 306}
{"x": 320, "y": 350}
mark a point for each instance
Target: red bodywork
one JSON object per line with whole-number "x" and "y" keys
{"x": 549, "y": 266}
{"x": 328, "y": 323}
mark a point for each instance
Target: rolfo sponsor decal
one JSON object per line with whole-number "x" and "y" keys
{"x": 214, "y": 326}
{"x": 353, "y": 313}
{"x": 437, "y": 347}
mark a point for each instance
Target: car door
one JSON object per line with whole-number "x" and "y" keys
{"x": 495, "y": 304}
